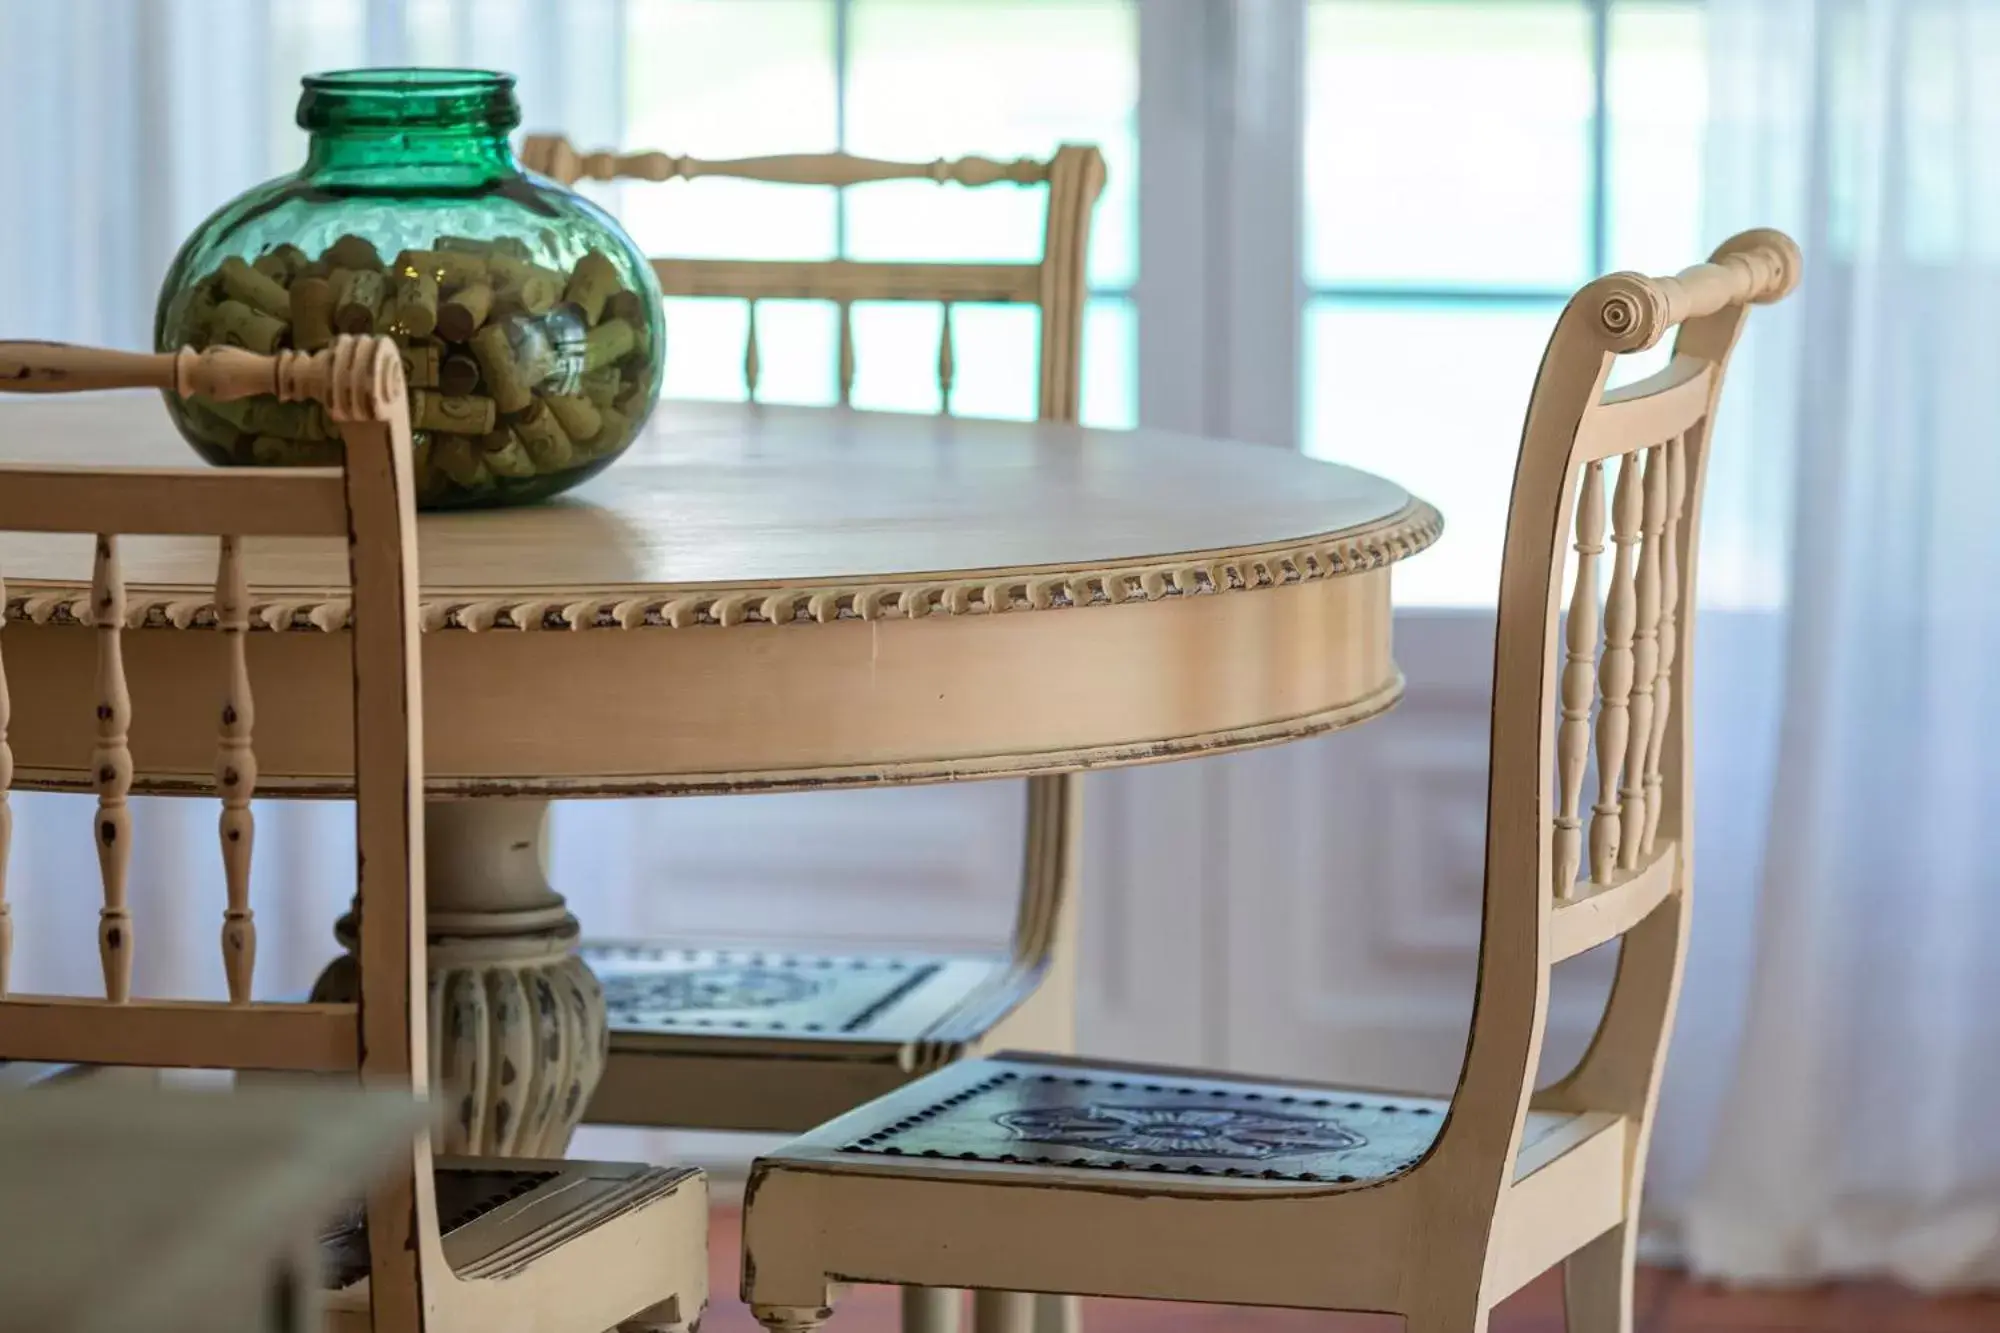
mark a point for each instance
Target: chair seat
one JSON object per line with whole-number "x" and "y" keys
{"x": 665, "y": 991}
{"x": 779, "y": 1042}
{"x": 1140, "y": 1123}
{"x": 499, "y": 1216}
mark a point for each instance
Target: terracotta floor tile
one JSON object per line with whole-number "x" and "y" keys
{"x": 1665, "y": 1302}
{"x": 1704, "y": 1307}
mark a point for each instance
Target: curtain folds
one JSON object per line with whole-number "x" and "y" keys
{"x": 1856, "y": 1133}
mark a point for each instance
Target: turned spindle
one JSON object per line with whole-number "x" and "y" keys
{"x": 235, "y": 771}
{"x": 111, "y": 770}
{"x": 1578, "y": 680}
{"x": 1670, "y": 599}
{"x": 1614, "y": 672}
{"x": 1645, "y": 661}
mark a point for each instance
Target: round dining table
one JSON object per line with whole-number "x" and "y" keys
{"x": 755, "y": 598}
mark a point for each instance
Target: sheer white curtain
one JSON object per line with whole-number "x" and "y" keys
{"x": 1854, "y": 1132}
{"x": 129, "y": 121}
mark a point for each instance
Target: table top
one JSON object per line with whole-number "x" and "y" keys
{"x": 1230, "y": 594}
{"x": 719, "y": 496}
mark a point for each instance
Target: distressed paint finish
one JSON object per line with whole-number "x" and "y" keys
{"x": 1039, "y": 1173}
{"x": 560, "y": 1261}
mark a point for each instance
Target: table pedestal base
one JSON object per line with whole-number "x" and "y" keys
{"x": 518, "y": 1033}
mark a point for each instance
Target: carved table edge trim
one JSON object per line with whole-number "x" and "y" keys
{"x": 1236, "y": 569}
{"x": 885, "y": 773}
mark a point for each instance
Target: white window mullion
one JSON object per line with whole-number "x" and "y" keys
{"x": 388, "y": 39}
{"x": 1221, "y": 133}
{"x": 1260, "y": 131}
{"x": 1172, "y": 289}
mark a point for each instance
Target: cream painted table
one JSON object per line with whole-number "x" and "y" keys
{"x": 753, "y": 599}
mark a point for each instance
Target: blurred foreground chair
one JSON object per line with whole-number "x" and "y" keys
{"x": 455, "y": 1244}
{"x": 1033, "y": 1173}
{"x": 179, "y": 1211}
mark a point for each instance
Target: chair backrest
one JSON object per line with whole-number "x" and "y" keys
{"x": 369, "y": 502}
{"x": 1056, "y": 284}
{"x": 1598, "y": 680}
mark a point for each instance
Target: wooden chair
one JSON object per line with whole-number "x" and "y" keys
{"x": 695, "y": 1032}
{"x": 729, "y": 1039}
{"x": 452, "y": 1244}
{"x": 1039, "y": 1173}
{"x": 179, "y": 1211}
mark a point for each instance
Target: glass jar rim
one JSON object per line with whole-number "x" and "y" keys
{"x": 408, "y": 97}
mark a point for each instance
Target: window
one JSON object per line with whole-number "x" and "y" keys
{"x": 1469, "y": 163}
{"x": 730, "y": 78}
{"x": 1001, "y": 78}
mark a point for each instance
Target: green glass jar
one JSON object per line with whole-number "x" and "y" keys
{"x": 530, "y": 324}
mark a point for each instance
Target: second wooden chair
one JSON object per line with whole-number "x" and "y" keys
{"x": 1038, "y": 1173}
{"x": 447, "y": 1244}
{"x": 720, "y": 1039}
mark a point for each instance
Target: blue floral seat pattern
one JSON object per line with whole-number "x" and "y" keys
{"x": 1024, "y": 1114}
{"x": 649, "y": 988}
{"x": 1180, "y": 1131}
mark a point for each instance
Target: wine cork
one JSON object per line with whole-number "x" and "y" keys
{"x": 357, "y": 294}
{"x": 459, "y": 458}
{"x": 431, "y": 483}
{"x": 578, "y": 417}
{"x": 209, "y": 426}
{"x": 197, "y": 314}
{"x": 458, "y": 374}
{"x": 354, "y": 252}
{"x": 511, "y": 246}
{"x": 464, "y": 415}
{"x": 543, "y": 436}
{"x": 242, "y": 283}
{"x": 631, "y": 399}
{"x": 591, "y": 284}
{"x": 613, "y": 434}
{"x": 451, "y": 268}
{"x": 312, "y": 314}
{"x": 601, "y": 386}
{"x": 607, "y": 342}
{"x": 235, "y": 411}
{"x": 519, "y": 285}
{"x": 282, "y": 263}
{"x": 505, "y": 455}
{"x": 268, "y": 416}
{"x": 415, "y": 309}
{"x": 460, "y": 317}
{"x": 627, "y": 305}
{"x": 458, "y": 270}
{"x": 420, "y": 364}
{"x": 277, "y": 451}
{"x": 235, "y": 324}
{"x": 535, "y": 293}
{"x": 506, "y": 379}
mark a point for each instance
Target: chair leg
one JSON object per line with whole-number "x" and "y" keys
{"x": 1003, "y": 1312}
{"x": 1449, "y": 1306}
{"x": 1597, "y": 1283}
{"x": 1058, "y": 1314}
{"x": 791, "y": 1318}
{"x": 1441, "y": 1320}
{"x": 664, "y": 1317}
{"x": 932, "y": 1309}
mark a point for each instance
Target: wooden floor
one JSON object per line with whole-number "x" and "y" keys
{"x": 1668, "y": 1303}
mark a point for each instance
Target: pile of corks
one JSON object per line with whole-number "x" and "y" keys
{"x": 516, "y": 371}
